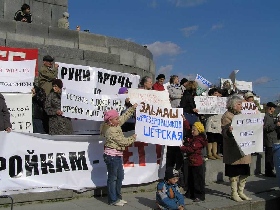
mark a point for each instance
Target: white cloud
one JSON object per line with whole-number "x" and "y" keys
{"x": 262, "y": 80}
{"x": 164, "y": 48}
{"x": 189, "y": 30}
{"x": 187, "y": 3}
{"x": 217, "y": 26}
{"x": 166, "y": 70}
{"x": 153, "y": 4}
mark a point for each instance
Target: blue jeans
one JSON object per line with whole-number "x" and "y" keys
{"x": 115, "y": 177}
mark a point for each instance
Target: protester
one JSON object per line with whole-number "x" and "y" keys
{"x": 188, "y": 104}
{"x": 213, "y": 129}
{"x": 237, "y": 166}
{"x": 168, "y": 195}
{"x": 227, "y": 89}
{"x": 184, "y": 83}
{"x": 63, "y": 22}
{"x": 159, "y": 83}
{"x": 175, "y": 91}
{"x": 269, "y": 138}
{"x": 193, "y": 147}
{"x": 38, "y": 102}
{"x": 146, "y": 83}
{"x": 5, "y": 123}
{"x": 47, "y": 74}
{"x": 130, "y": 123}
{"x": 174, "y": 157}
{"x": 24, "y": 14}
{"x": 115, "y": 144}
{"x": 58, "y": 124}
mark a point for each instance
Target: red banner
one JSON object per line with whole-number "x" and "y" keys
{"x": 19, "y": 54}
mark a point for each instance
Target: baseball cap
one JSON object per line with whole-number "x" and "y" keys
{"x": 248, "y": 95}
{"x": 48, "y": 58}
{"x": 271, "y": 104}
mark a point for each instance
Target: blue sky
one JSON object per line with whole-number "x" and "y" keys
{"x": 189, "y": 37}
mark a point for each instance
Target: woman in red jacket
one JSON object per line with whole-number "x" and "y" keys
{"x": 193, "y": 147}
{"x": 159, "y": 83}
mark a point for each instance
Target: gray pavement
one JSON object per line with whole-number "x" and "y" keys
{"x": 264, "y": 191}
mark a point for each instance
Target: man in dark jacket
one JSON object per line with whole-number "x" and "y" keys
{"x": 5, "y": 124}
{"x": 38, "y": 115}
{"x": 24, "y": 14}
{"x": 269, "y": 137}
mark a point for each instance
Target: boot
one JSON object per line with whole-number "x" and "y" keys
{"x": 241, "y": 185}
{"x": 215, "y": 149}
{"x": 233, "y": 185}
{"x": 209, "y": 150}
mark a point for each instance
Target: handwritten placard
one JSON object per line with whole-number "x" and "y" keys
{"x": 203, "y": 84}
{"x": 248, "y": 132}
{"x": 249, "y": 108}
{"x": 149, "y": 97}
{"x": 159, "y": 125}
{"x": 210, "y": 104}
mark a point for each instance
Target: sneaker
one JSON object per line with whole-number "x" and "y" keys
{"x": 119, "y": 203}
{"x": 123, "y": 201}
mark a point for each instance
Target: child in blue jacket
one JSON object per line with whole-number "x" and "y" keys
{"x": 168, "y": 195}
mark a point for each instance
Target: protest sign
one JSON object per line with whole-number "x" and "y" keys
{"x": 20, "y": 108}
{"x": 80, "y": 105}
{"x": 19, "y": 54}
{"x": 203, "y": 84}
{"x": 249, "y": 108}
{"x": 210, "y": 104}
{"x": 232, "y": 76}
{"x": 149, "y": 96}
{"x": 39, "y": 162}
{"x": 248, "y": 132}
{"x": 159, "y": 124}
{"x": 17, "y": 76}
{"x": 95, "y": 80}
{"x": 243, "y": 85}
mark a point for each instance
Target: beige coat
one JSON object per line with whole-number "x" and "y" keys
{"x": 46, "y": 76}
{"x": 232, "y": 154}
{"x": 114, "y": 135}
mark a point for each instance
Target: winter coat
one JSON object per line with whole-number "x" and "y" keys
{"x": 114, "y": 137}
{"x": 175, "y": 95}
{"x": 193, "y": 147}
{"x": 187, "y": 102}
{"x": 4, "y": 115}
{"x": 58, "y": 125}
{"x": 38, "y": 102}
{"x": 231, "y": 151}
{"x": 63, "y": 23}
{"x": 269, "y": 131}
{"x": 45, "y": 78}
{"x": 213, "y": 123}
{"x": 169, "y": 196}
{"x": 158, "y": 87}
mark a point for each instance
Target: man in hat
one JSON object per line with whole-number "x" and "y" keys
{"x": 159, "y": 83}
{"x": 47, "y": 74}
{"x": 269, "y": 138}
{"x": 168, "y": 195}
{"x": 63, "y": 22}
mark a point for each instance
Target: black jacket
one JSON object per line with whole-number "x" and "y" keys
{"x": 269, "y": 130}
{"x": 38, "y": 102}
{"x": 187, "y": 102}
{"x": 4, "y": 115}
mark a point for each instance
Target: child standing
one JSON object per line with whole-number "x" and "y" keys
{"x": 114, "y": 146}
{"x": 193, "y": 147}
{"x": 168, "y": 195}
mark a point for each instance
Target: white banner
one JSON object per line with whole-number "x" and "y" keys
{"x": 210, "y": 104}
{"x": 240, "y": 85}
{"x": 203, "y": 84}
{"x": 20, "y": 108}
{"x": 249, "y": 108}
{"x": 95, "y": 80}
{"x": 149, "y": 96}
{"x": 33, "y": 161}
{"x": 80, "y": 105}
{"x": 159, "y": 125}
{"x": 248, "y": 132}
{"x": 17, "y": 76}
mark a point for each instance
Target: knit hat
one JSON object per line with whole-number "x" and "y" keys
{"x": 170, "y": 173}
{"x": 57, "y": 82}
{"x": 123, "y": 90}
{"x": 199, "y": 127}
{"x": 160, "y": 76}
{"x": 183, "y": 81}
{"x": 110, "y": 114}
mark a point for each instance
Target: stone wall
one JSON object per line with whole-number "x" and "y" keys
{"x": 68, "y": 46}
